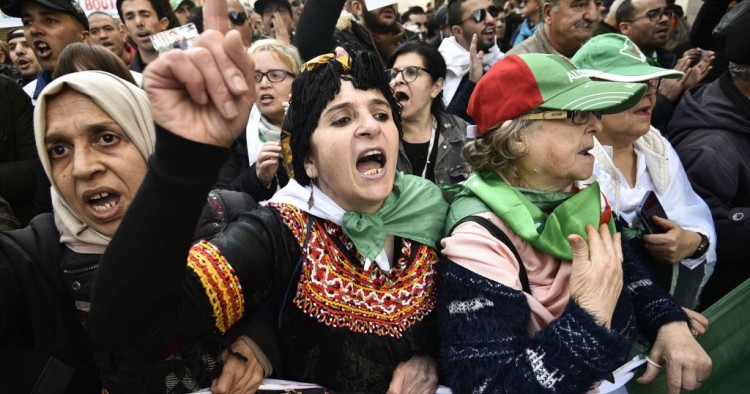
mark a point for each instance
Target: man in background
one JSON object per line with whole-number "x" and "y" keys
{"x": 320, "y": 30}
{"x": 144, "y": 18}
{"x": 50, "y": 27}
{"x": 568, "y": 24}
{"x": 415, "y": 19}
{"x": 22, "y": 55}
{"x": 277, "y": 19}
{"x": 110, "y": 33}
{"x": 469, "y": 20}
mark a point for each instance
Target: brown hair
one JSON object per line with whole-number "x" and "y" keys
{"x": 81, "y": 57}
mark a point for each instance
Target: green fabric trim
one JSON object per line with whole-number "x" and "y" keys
{"x": 546, "y": 232}
{"x": 415, "y": 210}
{"x": 727, "y": 343}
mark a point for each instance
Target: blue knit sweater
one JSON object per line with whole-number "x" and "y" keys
{"x": 486, "y": 346}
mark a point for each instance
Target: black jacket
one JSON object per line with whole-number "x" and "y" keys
{"x": 711, "y": 133}
{"x": 263, "y": 252}
{"x": 317, "y": 33}
{"x": 18, "y": 158}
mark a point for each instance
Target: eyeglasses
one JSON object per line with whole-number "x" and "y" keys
{"x": 654, "y": 83}
{"x": 237, "y": 18}
{"x": 576, "y": 117}
{"x": 409, "y": 74}
{"x": 655, "y": 14}
{"x": 479, "y": 16}
{"x": 273, "y": 75}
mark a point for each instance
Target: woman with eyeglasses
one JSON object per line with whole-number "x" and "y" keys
{"x": 632, "y": 158}
{"x": 254, "y": 168}
{"x": 537, "y": 292}
{"x": 432, "y": 140}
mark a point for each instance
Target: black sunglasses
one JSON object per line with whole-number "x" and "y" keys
{"x": 237, "y": 18}
{"x": 479, "y": 16}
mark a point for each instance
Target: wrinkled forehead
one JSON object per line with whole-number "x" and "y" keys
{"x": 64, "y": 97}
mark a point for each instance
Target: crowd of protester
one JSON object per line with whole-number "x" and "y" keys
{"x": 368, "y": 199}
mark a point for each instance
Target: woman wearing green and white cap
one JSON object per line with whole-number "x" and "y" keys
{"x": 632, "y": 158}
{"x": 538, "y": 293}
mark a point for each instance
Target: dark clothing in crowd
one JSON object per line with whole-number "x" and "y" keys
{"x": 512, "y": 21}
{"x": 604, "y": 28}
{"x": 265, "y": 249}
{"x": 7, "y": 220}
{"x": 18, "y": 159}
{"x": 317, "y": 34}
{"x": 447, "y": 164}
{"x": 460, "y": 100}
{"x": 238, "y": 175}
{"x": 137, "y": 64}
{"x": 46, "y": 289}
{"x": 11, "y": 72}
{"x": 711, "y": 133}
{"x": 663, "y": 110}
{"x": 36, "y": 303}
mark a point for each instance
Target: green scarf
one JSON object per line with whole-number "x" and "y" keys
{"x": 523, "y": 211}
{"x": 415, "y": 210}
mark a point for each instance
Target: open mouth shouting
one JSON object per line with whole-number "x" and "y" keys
{"x": 401, "y": 97}
{"x": 22, "y": 63}
{"x": 371, "y": 162}
{"x": 267, "y": 99}
{"x": 102, "y": 205}
{"x": 42, "y": 49}
{"x": 144, "y": 37}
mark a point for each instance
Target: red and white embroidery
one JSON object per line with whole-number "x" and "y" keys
{"x": 340, "y": 293}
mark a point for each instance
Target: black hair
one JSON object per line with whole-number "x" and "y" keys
{"x": 624, "y": 13}
{"x": 416, "y": 10}
{"x": 313, "y": 90}
{"x": 433, "y": 62}
{"x": 163, "y": 10}
{"x": 454, "y": 12}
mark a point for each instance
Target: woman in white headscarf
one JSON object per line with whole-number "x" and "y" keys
{"x": 94, "y": 134}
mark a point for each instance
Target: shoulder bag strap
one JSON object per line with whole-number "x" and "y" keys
{"x": 502, "y": 237}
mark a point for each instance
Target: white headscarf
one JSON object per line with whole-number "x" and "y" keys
{"x": 129, "y": 107}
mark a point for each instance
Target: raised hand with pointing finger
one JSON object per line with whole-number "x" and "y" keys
{"x": 205, "y": 93}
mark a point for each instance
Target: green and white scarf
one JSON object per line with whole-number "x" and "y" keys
{"x": 543, "y": 219}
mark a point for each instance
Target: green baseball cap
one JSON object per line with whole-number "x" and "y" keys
{"x": 518, "y": 84}
{"x": 177, "y": 3}
{"x": 614, "y": 57}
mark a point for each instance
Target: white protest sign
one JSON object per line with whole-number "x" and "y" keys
{"x": 107, "y": 6}
{"x": 375, "y": 4}
{"x": 7, "y": 21}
